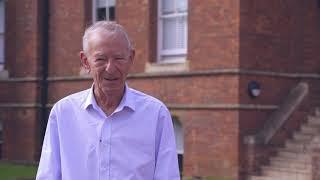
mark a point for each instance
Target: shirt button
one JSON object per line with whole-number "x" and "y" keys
{"x": 103, "y": 166}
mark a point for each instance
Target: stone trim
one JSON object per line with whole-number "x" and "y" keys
{"x": 20, "y": 105}
{"x": 223, "y": 106}
{"x": 224, "y": 72}
{"x": 4, "y": 74}
{"x": 25, "y": 79}
{"x": 176, "y": 74}
{"x": 214, "y": 106}
{"x": 279, "y": 117}
{"x": 316, "y": 164}
{"x": 166, "y": 67}
{"x": 315, "y": 157}
{"x": 168, "y": 74}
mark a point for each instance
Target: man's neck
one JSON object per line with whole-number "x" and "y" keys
{"x": 108, "y": 101}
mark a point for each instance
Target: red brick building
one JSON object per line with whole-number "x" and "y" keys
{"x": 198, "y": 56}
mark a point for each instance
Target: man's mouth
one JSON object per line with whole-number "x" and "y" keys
{"x": 111, "y": 79}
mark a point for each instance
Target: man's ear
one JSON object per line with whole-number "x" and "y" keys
{"x": 84, "y": 61}
{"x": 132, "y": 55}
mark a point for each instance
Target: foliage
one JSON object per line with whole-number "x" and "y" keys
{"x": 17, "y": 172}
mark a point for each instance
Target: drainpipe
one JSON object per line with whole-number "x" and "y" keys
{"x": 44, "y": 9}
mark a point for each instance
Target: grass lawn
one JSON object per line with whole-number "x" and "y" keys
{"x": 10, "y": 171}
{"x": 17, "y": 172}
{"x": 208, "y": 178}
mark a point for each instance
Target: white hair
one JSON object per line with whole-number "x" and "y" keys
{"x": 107, "y": 26}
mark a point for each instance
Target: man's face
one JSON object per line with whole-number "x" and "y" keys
{"x": 108, "y": 60}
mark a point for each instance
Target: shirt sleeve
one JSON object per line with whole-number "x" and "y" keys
{"x": 49, "y": 165}
{"x": 166, "y": 154}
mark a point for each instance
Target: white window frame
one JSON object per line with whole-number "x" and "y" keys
{"x": 95, "y": 8}
{"x": 182, "y": 52}
{"x": 2, "y": 33}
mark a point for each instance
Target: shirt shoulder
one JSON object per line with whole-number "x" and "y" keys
{"x": 73, "y": 100}
{"x": 141, "y": 97}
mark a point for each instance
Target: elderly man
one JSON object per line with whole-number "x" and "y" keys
{"x": 110, "y": 131}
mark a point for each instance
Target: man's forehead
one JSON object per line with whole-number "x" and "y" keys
{"x": 110, "y": 35}
{"x": 98, "y": 53}
{"x": 106, "y": 37}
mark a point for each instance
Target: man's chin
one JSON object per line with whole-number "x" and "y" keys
{"x": 112, "y": 87}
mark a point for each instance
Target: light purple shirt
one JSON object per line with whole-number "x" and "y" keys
{"x": 136, "y": 142}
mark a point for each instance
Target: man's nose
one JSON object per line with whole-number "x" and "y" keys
{"x": 110, "y": 66}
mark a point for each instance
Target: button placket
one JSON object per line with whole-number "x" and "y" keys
{"x": 108, "y": 144}
{"x": 103, "y": 158}
{"x": 105, "y": 149}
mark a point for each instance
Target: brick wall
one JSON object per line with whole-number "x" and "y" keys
{"x": 22, "y": 38}
{"x": 213, "y": 34}
{"x": 67, "y": 24}
{"x": 21, "y": 133}
{"x": 270, "y": 32}
{"x": 273, "y": 36}
{"x": 134, "y": 15}
{"x": 19, "y": 112}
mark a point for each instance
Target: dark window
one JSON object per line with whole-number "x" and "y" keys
{"x": 101, "y": 14}
{"x": 112, "y": 13}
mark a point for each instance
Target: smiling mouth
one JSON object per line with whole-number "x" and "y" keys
{"x": 111, "y": 79}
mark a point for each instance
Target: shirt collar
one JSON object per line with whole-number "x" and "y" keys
{"x": 126, "y": 101}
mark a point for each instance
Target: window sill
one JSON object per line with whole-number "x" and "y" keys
{"x": 4, "y": 74}
{"x": 167, "y": 67}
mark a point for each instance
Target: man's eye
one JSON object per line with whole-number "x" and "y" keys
{"x": 120, "y": 59}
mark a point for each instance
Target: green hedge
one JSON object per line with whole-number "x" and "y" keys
{"x": 10, "y": 171}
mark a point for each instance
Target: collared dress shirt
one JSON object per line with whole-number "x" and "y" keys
{"x": 135, "y": 142}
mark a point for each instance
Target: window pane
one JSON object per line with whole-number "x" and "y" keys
{"x": 169, "y": 33}
{"x": 101, "y": 14}
{"x": 175, "y": 33}
{"x": 112, "y": 14}
{"x": 181, "y": 32}
{"x": 182, "y": 5}
{"x": 1, "y": 49}
{"x": 167, "y": 6}
{"x": 178, "y": 132}
{"x": 101, "y": 3}
{"x": 111, "y": 3}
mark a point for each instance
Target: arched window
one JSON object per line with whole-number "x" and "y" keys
{"x": 104, "y": 10}
{"x": 178, "y": 131}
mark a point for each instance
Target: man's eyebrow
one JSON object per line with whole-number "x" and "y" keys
{"x": 98, "y": 54}
{"x": 118, "y": 54}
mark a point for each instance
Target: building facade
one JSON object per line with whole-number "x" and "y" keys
{"x": 202, "y": 58}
